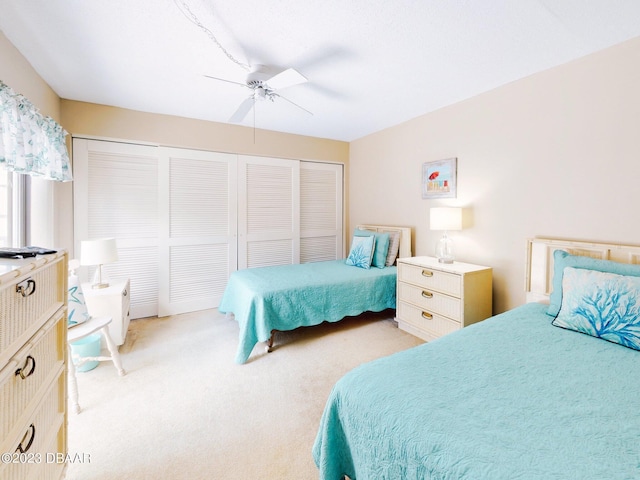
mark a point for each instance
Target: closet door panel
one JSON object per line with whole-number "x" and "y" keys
{"x": 116, "y": 195}
{"x": 268, "y": 211}
{"x": 198, "y": 228}
{"x": 321, "y": 209}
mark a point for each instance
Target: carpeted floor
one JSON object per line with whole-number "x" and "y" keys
{"x": 185, "y": 410}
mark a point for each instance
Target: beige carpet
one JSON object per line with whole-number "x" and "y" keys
{"x": 185, "y": 410}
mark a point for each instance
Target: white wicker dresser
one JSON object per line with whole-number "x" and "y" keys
{"x": 33, "y": 356}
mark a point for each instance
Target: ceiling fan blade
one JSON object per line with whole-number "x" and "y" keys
{"x": 242, "y": 110}
{"x": 320, "y": 57}
{"x": 327, "y": 92}
{"x": 293, "y": 103}
{"x": 286, "y": 78}
{"x": 228, "y": 81}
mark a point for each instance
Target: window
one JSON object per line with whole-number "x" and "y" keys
{"x": 14, "y": 196}
{"x": 5, "y": 209}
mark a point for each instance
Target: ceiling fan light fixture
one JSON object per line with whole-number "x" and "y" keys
{"x": 260, "y": 93}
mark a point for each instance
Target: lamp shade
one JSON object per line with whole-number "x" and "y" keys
{"x": 98, "y": 252}
{"x": 445, "y": 218}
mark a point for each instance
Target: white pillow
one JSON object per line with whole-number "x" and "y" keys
{"x": 394, "y": 246}
{"x": 77, "y": 308}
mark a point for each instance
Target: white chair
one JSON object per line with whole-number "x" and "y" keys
{"x": 83, "y": 330}
{"x": 82, "y": 325}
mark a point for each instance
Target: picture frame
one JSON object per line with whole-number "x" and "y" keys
{"x": 439, "y": 179}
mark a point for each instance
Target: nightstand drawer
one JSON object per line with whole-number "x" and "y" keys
{"x": 435, "y": 298}
{"x": 436, "y": 324}
{"x": 430, "y": 300}
{"x": 429, "y": 278}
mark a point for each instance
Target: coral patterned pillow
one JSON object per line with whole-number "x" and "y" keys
{"x": 361, "y": 253}
{"x": 603, "y": 305}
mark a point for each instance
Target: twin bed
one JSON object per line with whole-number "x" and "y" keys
{"x": 544, "y": 391}
{"x": 268, "y": 299}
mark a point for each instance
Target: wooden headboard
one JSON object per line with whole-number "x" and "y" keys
{"x": 539, "y": 276}
{"x": 405, "y": 236}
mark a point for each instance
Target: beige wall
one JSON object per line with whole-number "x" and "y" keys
{"x": 90, "y": 119}
{"x": 555, "y": 154}
{"x": 18, "y": 73}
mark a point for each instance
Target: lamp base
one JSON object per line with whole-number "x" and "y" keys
{"x": 444, "y": 249}
{"x": 100, "y": 280}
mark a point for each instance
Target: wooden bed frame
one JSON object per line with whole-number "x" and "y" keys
{"x": 539, "y": 275}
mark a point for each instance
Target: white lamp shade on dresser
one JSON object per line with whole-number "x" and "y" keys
{"x": 445, "y": 218}
{"x": 98, "y": 252}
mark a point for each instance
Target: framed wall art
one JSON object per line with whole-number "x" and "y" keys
{"x": 439, "y": 179}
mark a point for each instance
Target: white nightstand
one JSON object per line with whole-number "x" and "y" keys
{"x": 434, "y": 298}
{"x": 112, "y": 301}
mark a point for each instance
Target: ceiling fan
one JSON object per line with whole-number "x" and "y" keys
{"x": 263, "y": 81}
{"x": 265, "y": 85}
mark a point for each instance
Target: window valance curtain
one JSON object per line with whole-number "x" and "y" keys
{"x": 31, "y": 143}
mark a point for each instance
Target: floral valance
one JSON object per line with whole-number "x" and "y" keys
{"x": 31, "y": 143}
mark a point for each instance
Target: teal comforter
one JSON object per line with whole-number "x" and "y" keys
{"x": 291, "y": 296}
{"x": 510, "y": 398}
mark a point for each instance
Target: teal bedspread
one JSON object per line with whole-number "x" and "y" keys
{"x": 291, "y": 296}
{"x": 510, "y": 398}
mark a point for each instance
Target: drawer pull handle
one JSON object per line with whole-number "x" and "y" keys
{"x": 25, "y": 371}
{"x": 32, "y": 431}
{"x": 427, "y": 273}
{"x": 427, "y": 316}
{"x": 26, "y": 288}
{"x": 125, "y": 293}
{"x": 426, "y": 294}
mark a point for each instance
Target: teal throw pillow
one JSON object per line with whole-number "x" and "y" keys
{"x": 603, "y": 305}
{"x": 361, "y": 252}
{"x": 562, "y": 259}
{"x": 381, "y": 246}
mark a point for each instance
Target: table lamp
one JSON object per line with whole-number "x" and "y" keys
{"x": 98, "y": 252}
{"x": 445, "y": 219}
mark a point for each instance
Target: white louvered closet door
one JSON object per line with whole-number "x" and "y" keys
{"x": 268, "y": 211}
{"x": 321, "y": 209}
{"x": 197, "y": 228}
{"x": 116, "y": 195}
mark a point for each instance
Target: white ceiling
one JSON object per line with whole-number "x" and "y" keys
{"x": 370, "y": 64}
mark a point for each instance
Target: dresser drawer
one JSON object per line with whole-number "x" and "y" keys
{"x": 27, "y": 302}
{"x": 430, "y": 300}
{"x": 39, "y": 433}
{"x": 33, "y": 368}
{"x": 444, "y": 282}
{"x": 425, "y": 321}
